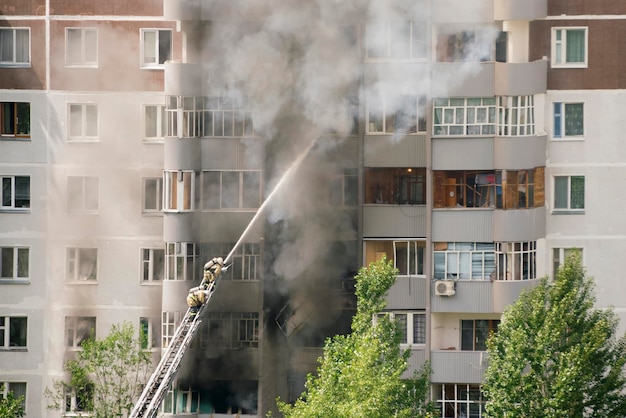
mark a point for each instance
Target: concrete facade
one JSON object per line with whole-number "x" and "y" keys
{"x": 476, "y": 155}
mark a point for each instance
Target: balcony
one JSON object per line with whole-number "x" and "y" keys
{"x": 521, "y": 79}
{"x": 388, "y": 151}
{"x": 520, "y": 9}
{"x": 453, "y": 366}
{"x": 481, "y": 296}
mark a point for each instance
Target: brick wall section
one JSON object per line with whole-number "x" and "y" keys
{"x": 33, "y": 77}
{"x": 107, "y": 7}
{"x": 606, "y": 54}
{"x": 586, "y": 7}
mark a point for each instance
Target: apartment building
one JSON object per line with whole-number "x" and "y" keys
{"x": 140, "y": 139}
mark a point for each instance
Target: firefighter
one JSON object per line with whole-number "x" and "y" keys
{"x": 196, "y": 297}
{"x": 212, "y": 270}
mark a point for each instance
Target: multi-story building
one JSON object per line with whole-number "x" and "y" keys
{"x": 299, "y": 141}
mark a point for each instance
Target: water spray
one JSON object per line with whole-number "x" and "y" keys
{"x": 282, "y": 180}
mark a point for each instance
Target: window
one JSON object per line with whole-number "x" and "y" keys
{"x": 226, "y": 116}
{"x": 396, "y": 114}
{"x": 464, "y": 260}
{"x": 82, "y": 193}
{"x": 15, "y": 192}
{"x": 569, "y": 193}
{"x": 247, "y": 329}
{"x": 153, "y": 265}
{"x": 568, "y": 120}
{"x": 13, "y": 332}
{"x": 18, "y": 389}
{"x": 15, "y": 119}
{"x": 569, "y": 47}
{"x": 181, "y": 400}
{"x": 559, "y": 255}
{"x": 230, "y": 330}
{"x": 464, "y": 116}
{"x": 456, "y": 400}
{"x": 515, "y": 261}
{"x": 149, "y": 338}
{"x": 14, "y": 263}
{"x": 79, "y": 329}
{"x": 81, "y": 47}
{"x": 516, "y": 115}
{"x": 465, "y": 46}
{"x": 156, "y": 47}
{"x": 155, "y": 122}
{"x": 230, "y": 190}
{"x": 501, "y": 189}
{"x": 79, "y": 400}
{"x": 475, "y": 333}
{"x": 208, "y": 116}
{"x": 398, "y": 40}
{"x": 408, "y": 256}
{"x": 14, "y": 47}
{"x": 395, "y": 186}
{"x": 524, "y": 188}
{"x": 181, "y": 259}
{"x": 82, "y": 264}
{"x": 344, "y": 189}
{"x": 82, "y": 122}
{"x": 179, "y": 188}
{"x": 245, "y": 262}
{"x": 152, "y": 195}
{"x": 169, "y": 323}
{"x": 412, "y": 326}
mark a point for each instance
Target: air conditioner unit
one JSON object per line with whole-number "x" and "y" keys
{"x": 444, "y": 288}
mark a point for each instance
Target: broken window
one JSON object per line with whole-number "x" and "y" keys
{"x": 396, "y": 114}
{"x": 79, "y": 329}
{"x": 395, "y": 186}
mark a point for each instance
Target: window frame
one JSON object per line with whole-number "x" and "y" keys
{"x": 156, "y": 48}
{"x": 492, "y": 327}
{"x": 159, "y": 124}
{"x": 85, "y": 47}
{"x": 409, "y": 330}
{"x": 147, "y": 328}
{"x": 568, "y": 208}
{"x": 169, "y": 323}
{"x": 182, "y": 261}
{"x": 458, "y": 250}
{"x": 72, "y": 323}
{"x": 209, "y": 198}
{"x": 451, "y": 116}
{"x": 389, "y": 116}
{"x": 74, "y": 259}
{"x": 562, "y": 256}
{"x": 385, "y": 29}
{"x": 8, "y": 333}
{"x": 559, "y": 121}
{"x": 82, "y": 200}
{"x": 559, "y": 60}
{"x": 4, "y": 106}
{"x": 11, "y": 207}
{"x": 14, "y": 63}
{"x": 5, "y": 388}
{"x": 85, "y": 134}
{"x": 158, "y": 196}
{"x": 148, "y": 263}
{"x": 451, "y": 404}
{"x": 15, "y": 264}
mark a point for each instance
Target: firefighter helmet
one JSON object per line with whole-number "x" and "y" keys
{"x": 216, "y": 260}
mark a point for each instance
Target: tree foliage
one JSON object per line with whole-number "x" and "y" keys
{"x": 359, "y": 375}
{"x": 106, "y": 377}
{"x": 11, "y": 407}
{"x": 555, "y": 355}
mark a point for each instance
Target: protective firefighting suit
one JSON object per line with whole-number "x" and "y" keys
{"x": 212, "y": 270}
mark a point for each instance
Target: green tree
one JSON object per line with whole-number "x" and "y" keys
{"x": 555, "y": 355}
{"x": 359, "y": 375}
{"x": 106, "y": 377}
{"x": 11, "y": 407}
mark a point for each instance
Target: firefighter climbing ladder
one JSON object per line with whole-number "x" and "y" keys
{"x": 148, "y": 404}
